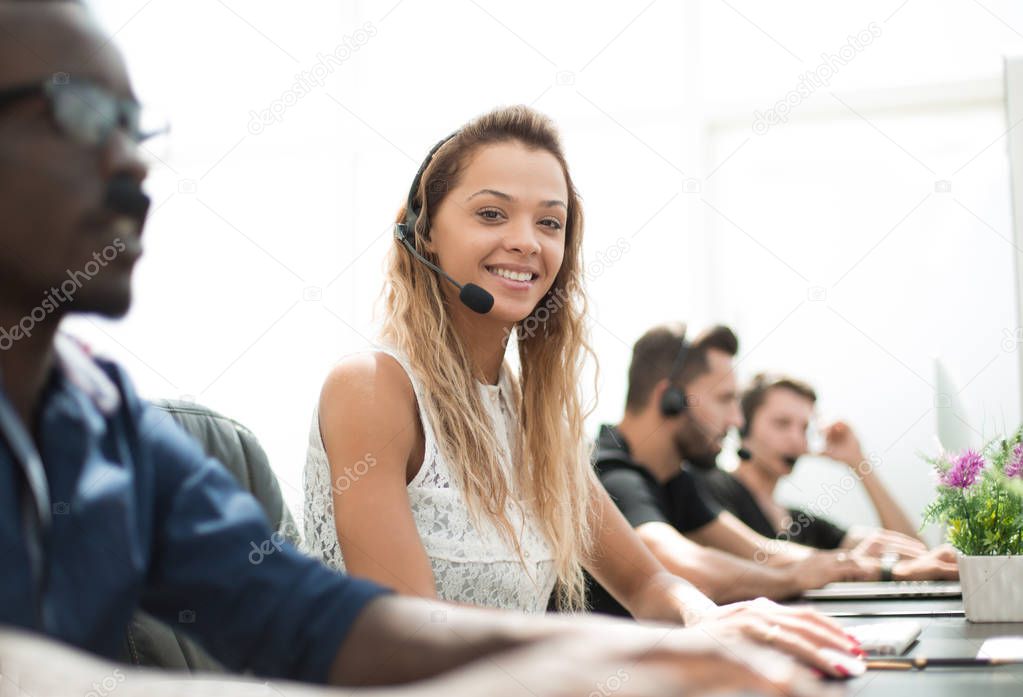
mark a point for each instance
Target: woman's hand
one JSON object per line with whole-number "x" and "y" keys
{"x": 799, "y": 632}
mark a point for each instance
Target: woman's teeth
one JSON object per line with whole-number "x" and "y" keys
{"x": 512, "y": 275}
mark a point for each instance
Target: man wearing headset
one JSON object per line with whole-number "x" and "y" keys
{"x": 777, "y": 411}
{"x": 682, "y": 401}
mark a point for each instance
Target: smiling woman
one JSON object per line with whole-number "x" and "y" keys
{"x": 482, "y": 490}
{"x": 494, "y": 206}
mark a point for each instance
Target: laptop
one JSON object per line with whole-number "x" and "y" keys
{"x": 876, "y": 590}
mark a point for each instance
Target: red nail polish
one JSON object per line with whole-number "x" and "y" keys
{"x": 859, "y": 652}
{"x": 841, "y": 670}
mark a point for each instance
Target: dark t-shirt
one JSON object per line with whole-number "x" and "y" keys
{"x": 804, "y": 527}
{"x": 642, "y": 499}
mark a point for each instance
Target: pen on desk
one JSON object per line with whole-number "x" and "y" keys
{"x": 922, "y": 662}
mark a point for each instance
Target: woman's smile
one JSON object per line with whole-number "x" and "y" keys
{"x": 513, "y": 276}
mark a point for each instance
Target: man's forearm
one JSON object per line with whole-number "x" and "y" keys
{"x": 724, "y": 577}
{"x": 729, "y": 534}
{"x": 728, "y": 579}
{"x": 789, "y": 553}
{"x": 400, "y": 639}
{"x": 42, "y": 667}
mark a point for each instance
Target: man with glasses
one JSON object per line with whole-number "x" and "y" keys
{"x": 106, "y": 507}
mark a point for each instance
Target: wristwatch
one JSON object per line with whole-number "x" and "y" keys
{"x": 888, "y": 561}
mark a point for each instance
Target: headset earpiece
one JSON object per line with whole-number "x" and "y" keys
{"x": 674, "y": 400}
{"x": 411, "y": 210}
{"x": 471, "y": 295}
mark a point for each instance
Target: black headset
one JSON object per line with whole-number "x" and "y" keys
{"x": 472, "y": 296}
{"x": 674, "y": 400}
{"x": 405, "y": 231}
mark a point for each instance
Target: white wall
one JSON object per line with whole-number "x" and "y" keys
{"x": 875, "y": 226}
{"x": 256, "y": 282}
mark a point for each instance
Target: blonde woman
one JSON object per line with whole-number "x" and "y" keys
{"x": 433, "y": 469}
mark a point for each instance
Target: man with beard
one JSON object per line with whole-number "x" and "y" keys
{"x": 682, "y": 401}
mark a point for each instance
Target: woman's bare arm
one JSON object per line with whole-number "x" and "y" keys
{"x": 632, "y": 574}
{"x": 369, "y": 423}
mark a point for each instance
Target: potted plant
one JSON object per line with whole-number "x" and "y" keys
{"x": 980, "y": 501}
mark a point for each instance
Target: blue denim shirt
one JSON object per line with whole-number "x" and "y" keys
{"x": 142, "y": 518}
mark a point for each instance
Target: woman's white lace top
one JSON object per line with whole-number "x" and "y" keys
{"x": 471, "y": 564}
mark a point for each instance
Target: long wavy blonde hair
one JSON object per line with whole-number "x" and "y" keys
{"x": 552, "y": 472}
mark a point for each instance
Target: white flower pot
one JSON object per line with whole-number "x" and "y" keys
{"x": 992, "y": 588}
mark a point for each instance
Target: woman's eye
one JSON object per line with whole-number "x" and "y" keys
{"x": 552, "y": 223}
{"x": 490, "y": 214}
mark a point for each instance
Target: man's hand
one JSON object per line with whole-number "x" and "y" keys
{"x": 825, "y": 567}
{"x": 648, "y": 663}
{"x": 841, "y": 444}
{"x": 466, "y": 643}
{"x": 878, "y": 542}
{"x": 939, "y": 564}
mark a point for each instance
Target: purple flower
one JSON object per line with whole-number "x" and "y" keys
{"x": 1014, "y": 468}
{"x": 963, "y": 472}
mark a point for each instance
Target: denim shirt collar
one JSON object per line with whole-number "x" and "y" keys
{"x": 76, "y": 380}
{"x": 78, "y": 368}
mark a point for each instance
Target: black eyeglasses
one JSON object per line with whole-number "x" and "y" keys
{"x": 86, "y": 111}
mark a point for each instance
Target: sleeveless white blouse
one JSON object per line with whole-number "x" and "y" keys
{"x": 471, "y": 564}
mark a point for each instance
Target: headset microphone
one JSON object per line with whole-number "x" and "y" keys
{"x": 745, "y": 454}
{"x": 472, "y": 296}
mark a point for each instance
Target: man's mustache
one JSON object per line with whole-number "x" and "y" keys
{"x": 124, "y": 196}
